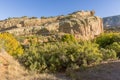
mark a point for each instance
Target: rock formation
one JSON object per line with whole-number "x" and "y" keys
{"x": 85, "y": 27}
{"x": 81, "y": 24}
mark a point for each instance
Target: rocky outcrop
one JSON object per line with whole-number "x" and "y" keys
{"x": 81, "y": 24}
{"x": 25, "y": 22}
{"x": 86, "y": 27}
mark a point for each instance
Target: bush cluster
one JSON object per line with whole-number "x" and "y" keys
{"x": 110, "y": 42}
{"x": 106, "y": 39}
{"x": 60, "y": 55}
{"x": 69, "y": 53}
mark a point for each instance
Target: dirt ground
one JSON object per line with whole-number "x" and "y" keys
{"x": 104, "y": 71}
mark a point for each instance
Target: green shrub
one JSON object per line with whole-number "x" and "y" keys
{"x": 107, "y": 39}
{"x": 108, "y": 54}
{"x": 68, "y": 53}
{"x": 91, "y": 53}
{"x": 59, "y": 56}
{"x": 111, "y": 44}
{"x": 104, "y": 40}
{"x": 68, "y": 38}
{"x": 116, "y": 47}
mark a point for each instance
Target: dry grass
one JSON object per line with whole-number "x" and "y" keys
{"x": 10, "y": 69}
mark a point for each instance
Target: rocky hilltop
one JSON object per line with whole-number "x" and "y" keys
{"x": 82, "y": 24}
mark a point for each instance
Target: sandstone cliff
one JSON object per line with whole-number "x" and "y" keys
{"x": 82, "y": 24}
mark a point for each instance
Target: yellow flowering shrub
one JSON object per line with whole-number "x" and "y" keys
{"x": 10, "y": 44}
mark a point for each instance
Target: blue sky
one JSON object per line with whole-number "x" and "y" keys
{"x": 38, "y": 8}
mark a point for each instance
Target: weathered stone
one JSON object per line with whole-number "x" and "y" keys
{"x": 82, "y": 24}
{"x": 85, "y": 28}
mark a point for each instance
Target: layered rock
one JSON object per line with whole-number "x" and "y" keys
{"x": 81, "y": 24}
{"x": 85, "y": 27}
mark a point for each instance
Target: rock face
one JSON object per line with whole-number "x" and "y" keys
{"x": 81, "y": 24}
{"x": 87, "y": 26}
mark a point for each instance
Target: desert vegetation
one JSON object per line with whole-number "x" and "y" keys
{"x": 69, "y": 53}
{"x": 63, "y": 46}
{"x": 63, "y": 54}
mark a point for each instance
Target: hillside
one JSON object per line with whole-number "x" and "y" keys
{"x": 81, "y": 24}
{"x": 51, "y": 48}
{"x": 10, "y": 69}
{"x": 112, "y": 21}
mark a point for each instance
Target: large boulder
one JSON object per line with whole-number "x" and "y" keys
{"x": 85, "y": 27}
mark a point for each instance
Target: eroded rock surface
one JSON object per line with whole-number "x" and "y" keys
{"x": 82, "y": 24}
